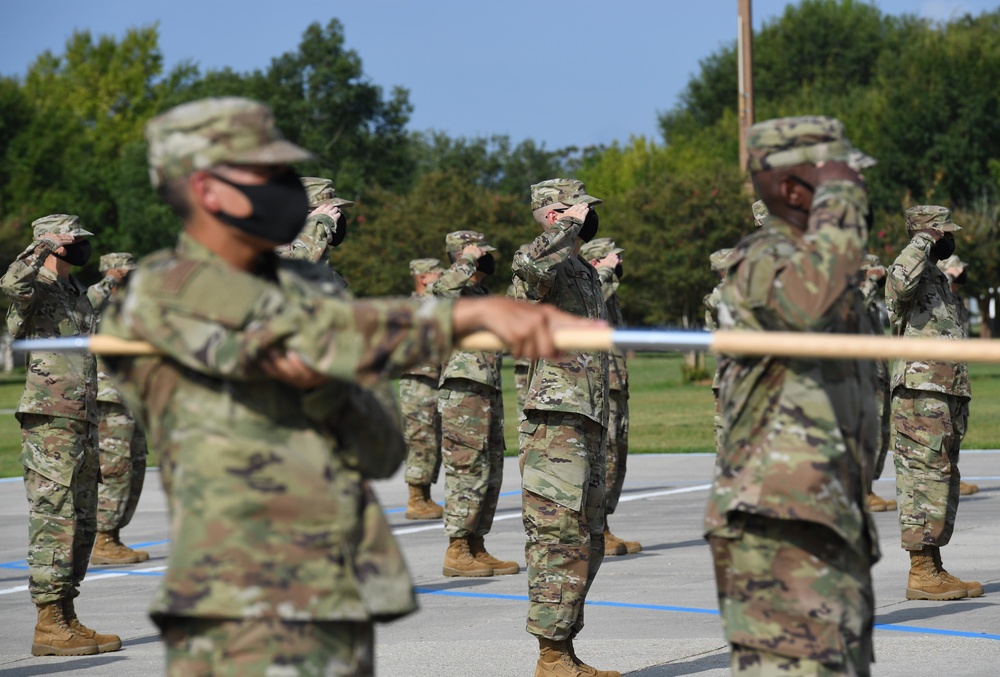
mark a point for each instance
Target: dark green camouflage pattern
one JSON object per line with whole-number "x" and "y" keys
{"x": 122, "y": 447}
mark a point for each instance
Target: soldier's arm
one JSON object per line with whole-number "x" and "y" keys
{"x": 18, "y": 283}
{"x": 711, "y": 302}
{"x": 455, "y": 279}
{"x": 904, "y": 274}
{"x": 608, "y": 284}
{"x": 805, "y": 286}
{"x": 312, "y": 240}
{"x": 535, "y": 263}
{"x": 100, "y": 292}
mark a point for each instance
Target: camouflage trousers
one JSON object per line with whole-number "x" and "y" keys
{"x": 928, "y": 428}
{"x": 794, "y": 598}
{"x": 884, "y": 403}
{"x": 717, "y": 420}
{"x": 521, "y": 369}
{"x": 202, "y": 647}
{"x": 617, "y": 453}
{"x": 418, "y": 402}
{"x": 562, "y": 460}
{"x": 123, "y": 466}
{"x": 472, "y": 446}
{"x": 62, "y": 510}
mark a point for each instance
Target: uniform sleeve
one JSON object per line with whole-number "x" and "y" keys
{"x": 100, "y": 293}
{"x": 535, "y": 263}
{"x": 903, "y": 276}
{"x": 18, "y": 283}
{"x": 312, "y": 241}
{"x": 608, "y": 284}
{"x": 795, "y": 294}
{"x": 455, "y": 279}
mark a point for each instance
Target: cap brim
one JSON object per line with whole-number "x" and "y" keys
{"x": 857, "y": 160}
{"x": 80, "y": 232}
{"x": 275, "y": 153}
{"x": 335, "y": 202}
{"x": 589, "y": 199}
{"x": 487, "y": 248}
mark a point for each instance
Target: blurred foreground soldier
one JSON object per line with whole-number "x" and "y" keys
{"x": 955, "y": 269}
{"x": 792, "y": 541}
{"x": 872, "y": 287}
{"x": 325, "y": 227}
{"x": 930, "y": 404}
{"x": 281, "y": 557}
{"x": 418, "y": 401}
{"x": 717, "y": 260}
{"x": 605, "y": 257}
{"x": 470, "y": 403}
{"x": 563, "y": 430}
{"x": 58, "y": 417}
{"x": 122, "y": 443}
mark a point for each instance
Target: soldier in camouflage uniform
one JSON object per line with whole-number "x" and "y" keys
{"x": 563, "y": 430}
{"x": 605, "y": 257}
{"x": 872, "y": 286}
{"x": 418, "y": 402}
{"x": 521, "y": 368}
{"x": 58, "y": 417}
{"x": 930, "y": 404}
{"x": 470, "y": 403}
{"x": 711, "y": 301}
{"x": 122, "y": 443}
{"x": 326, "y": 226}
{"x": 955, "y": 269}
{"x": 786, "y": 521}
{"x": 282, "y": 558}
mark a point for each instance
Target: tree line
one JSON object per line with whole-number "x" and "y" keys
{"x": 918, "y": 95}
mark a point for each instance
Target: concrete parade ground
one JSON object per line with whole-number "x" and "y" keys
{"x": 652, "y": 614}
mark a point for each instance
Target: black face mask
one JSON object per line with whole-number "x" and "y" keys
{"x": 77, "y": 253}
{"x": 870, "y": 220}
{"x": 486, "y": 264}
{"x": 880, "y": 283}
{"x": 339, "y": 231}
{"x": 961, "y": 279}
{"x": 618, "y": 271}
{"x": 590, "y": 225}
{"x": 280, "y": 207}
{"x": 942, "y": 249}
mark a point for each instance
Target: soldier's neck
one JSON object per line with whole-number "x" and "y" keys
{"x": 224, "y": 241}
{"x": 57, "y": 266}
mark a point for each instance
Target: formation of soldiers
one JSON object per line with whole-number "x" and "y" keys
{"x": 269, "y": 406}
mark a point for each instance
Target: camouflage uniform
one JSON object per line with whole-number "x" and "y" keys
{"x": 930, "y": 400}
{"x": 320, "y": 232}
{"x": 563, "y": 428}
{"x": 871, "y": 288}
{"x": 122, "y": 443}
{"x": 273, "y": 523}
{"x": 711, "y": 302}
{"x": 521, "y": 368}
{"x": 470, "y": 403}
{"x": 786, "y": 522}
{"x": 58, "y": 416}
{"x": 418, "y": 400}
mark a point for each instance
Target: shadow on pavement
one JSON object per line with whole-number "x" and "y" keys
{"x": 145, "y": 639}
{"x": 919, "y": 613}
{"x": 45, "y": 666}
{"x": 678, "y": 544}
{"x": 459, "y": 584}
{"x": 713, "y": 661}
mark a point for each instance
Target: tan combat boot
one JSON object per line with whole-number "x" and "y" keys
{"x": 556, "y": 660}
{"x": 141, "y": 554}
{"x": 458, "y": 560}
{"x": 54, "y": 636}
{"x": 967, "y": 489}
{"x": 630, "y": 547}
{"x": 588, "y": 670}
{"x": 420, "y": 506}
{"x": 878, "y": 504}
{"x": 973, "y": 588}
{"x": 500, "y": 567}
{"x": 108, "y": 551}
{"x": 925, "y": 582}
{"x": 104, "y": 643}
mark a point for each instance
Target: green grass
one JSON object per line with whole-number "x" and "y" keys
{"x": 667, "y": 415}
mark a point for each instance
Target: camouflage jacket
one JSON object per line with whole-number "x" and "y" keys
{"x": 481, "y": 367}
{"x": 46, "y": 306}
{"x": 547, "y": 270}
{"x": 428, "y": 370}
{"x": 312, "y": 243}
{"x": 870, "y": 293}
{"x": 921, "y": 304}
{"x": 100, "y": 295}
{"x": 270, "y": 518}
{"x": 617, "y": 365}
{"x": 800, "y": 436}
{"x": 711, "y": 301}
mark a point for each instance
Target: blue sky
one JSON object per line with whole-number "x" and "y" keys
{"x": 586, "y": 72}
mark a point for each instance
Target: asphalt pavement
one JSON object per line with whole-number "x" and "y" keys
{"x": 652, "y": 614}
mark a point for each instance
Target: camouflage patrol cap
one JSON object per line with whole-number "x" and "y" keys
{"x": 717, "y": 259}
{"x": 424, "y": 266}
{"x": 870, "y": 261}
{"x": 919, "y": 217}
{"x": 760, "y": 212}
{"x": 566, "y": 191}
{"x": 58, "y": 224}
{"x": 122, "y": 260}
{"x": 807, "y": 139}
{"x": 208, "y": 132}
{"x": 460, "y": 239}
{"x": 321, "y": 192}
{"x": 598, "y": 248}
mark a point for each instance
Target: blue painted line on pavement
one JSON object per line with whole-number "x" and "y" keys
{"x": 21, "y": 564}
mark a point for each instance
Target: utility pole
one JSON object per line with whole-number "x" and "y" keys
{"x": 744, "y": 50}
